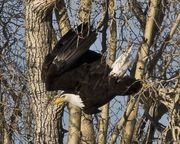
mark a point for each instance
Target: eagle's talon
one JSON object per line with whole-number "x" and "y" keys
{"x": 60, "y": 100}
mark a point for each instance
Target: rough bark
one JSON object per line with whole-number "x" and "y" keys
{"x": 1, "y": 113}
{"x": 161, "y": 70}
{"x": 37, "y": 46}
{"x": 74, "y": 124}
{"x": 5, "y": 133}
{"x": 87, "y": 129}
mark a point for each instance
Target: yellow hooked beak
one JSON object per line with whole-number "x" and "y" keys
{"x": 59, "y": 100}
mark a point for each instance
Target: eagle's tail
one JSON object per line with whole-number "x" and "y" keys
{"x": 122, "y": 63}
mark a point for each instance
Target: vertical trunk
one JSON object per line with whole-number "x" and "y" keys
{"x": 74, "y": 124}
{"x": 103, "y": 127}
{"x": 5, "y": 133}
{"x": 148, "y": 38}
{"x": 122, "y": 121}
{"x": 149, "y": 33}
{"x": 7, "y": 139}
{"x": 74, "y": 112}
{"x": 87, "y": 129}
{"x": 130, "y": 124}
{"x": 37, "y": 46}
{"x": 103, "y": 124}
{"x": 5, "y": 130}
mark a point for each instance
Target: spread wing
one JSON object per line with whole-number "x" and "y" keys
{"x": 73, "y": 46}
{"x": 68, "y": 50}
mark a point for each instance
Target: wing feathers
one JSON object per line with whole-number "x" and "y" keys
{"x": 73, "y": 47}
{"x": 68, "y": 50}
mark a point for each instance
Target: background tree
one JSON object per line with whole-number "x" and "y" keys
{"x": 15, "y": 112}
{"x": 151, "y": 28}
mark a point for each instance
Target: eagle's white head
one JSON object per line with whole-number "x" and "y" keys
{"x": 73, "y": 99}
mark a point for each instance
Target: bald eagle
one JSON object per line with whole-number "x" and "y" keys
{"x": 83, "y": 73}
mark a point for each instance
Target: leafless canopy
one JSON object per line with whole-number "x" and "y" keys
{"x": 152, "y": 28}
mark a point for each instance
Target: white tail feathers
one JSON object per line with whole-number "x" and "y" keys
{"x": 122, "y": 63}
{"x": 119, "y": 71}
{"x": 74, "y": 99}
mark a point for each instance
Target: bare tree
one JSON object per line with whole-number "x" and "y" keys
{"x": 150, "y": 28}
{"x": 13, "y": 91}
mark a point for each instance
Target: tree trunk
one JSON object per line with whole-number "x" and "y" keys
{"x": 87, "y": 129}
{"x": 5, "y": 133}
{"x": 37, "y": 46}
{"x": 74, "y": 124}
{"x": 130, "y": 124}
{"x": 74, "y": 112}
{"x": 103, "y": 126}
{"x": 143, "y": 53}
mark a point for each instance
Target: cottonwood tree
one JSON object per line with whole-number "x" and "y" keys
{"x": 15, "y": 113}
{"x": 150, "y": 28}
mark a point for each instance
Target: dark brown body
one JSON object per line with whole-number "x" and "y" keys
{"x": 93, "y": 83}
{"x": 78, "y": 70}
